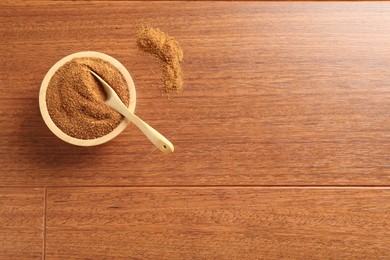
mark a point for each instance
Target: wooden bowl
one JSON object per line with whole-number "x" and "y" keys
{"x": 58, "y": 132}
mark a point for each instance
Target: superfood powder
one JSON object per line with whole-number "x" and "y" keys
{"x": 75, "y": 99}
{"x": 168, "y": 52}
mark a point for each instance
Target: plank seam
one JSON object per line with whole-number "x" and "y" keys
{"x": 202, "y": 186}
{"x": 44, "y": 225}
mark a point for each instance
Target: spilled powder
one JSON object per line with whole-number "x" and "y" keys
{"x": 169, "y": 53}
{"x": 75, "y": 99}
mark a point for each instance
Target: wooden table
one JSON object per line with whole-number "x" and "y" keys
{"x": 282, "y": 134}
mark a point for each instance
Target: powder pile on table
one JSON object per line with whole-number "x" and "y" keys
{"x": 168, "y": 52}
{"x": 76, "y": 100}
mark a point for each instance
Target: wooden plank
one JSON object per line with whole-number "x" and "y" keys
{"x": 218, "y": 223}
{"x": 276, "y": 93}
{"x": 21, "y": 223}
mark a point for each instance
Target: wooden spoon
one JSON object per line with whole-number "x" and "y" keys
{"x": 116, "y": 103}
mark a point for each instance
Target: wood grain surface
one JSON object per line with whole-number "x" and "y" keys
{"x": 21, "y": 223}
{"x": 275, "y": 93}
{"x": 282, "y": 134}
{"x": 217, "y": 223}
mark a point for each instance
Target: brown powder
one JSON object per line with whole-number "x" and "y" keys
{"x": 75, "y": 99}
{"x": 169, "y": 53}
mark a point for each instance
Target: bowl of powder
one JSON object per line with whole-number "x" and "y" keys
{"x": 72, "y": 101}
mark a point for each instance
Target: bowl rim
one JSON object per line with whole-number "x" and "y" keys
{"x": 45, "y": 113}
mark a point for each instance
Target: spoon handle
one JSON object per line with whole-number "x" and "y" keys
{"x": 115, "y": 102}
{"x": 162, "y": 143}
